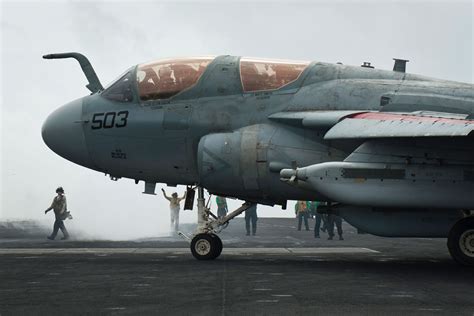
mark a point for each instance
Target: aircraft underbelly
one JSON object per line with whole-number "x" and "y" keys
{"x": 390, "y": 222}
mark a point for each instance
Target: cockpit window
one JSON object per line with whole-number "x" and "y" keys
{"x": 166, "y": 78}
{"x": 121, "y": 89}
{"x": 261, "y": 75}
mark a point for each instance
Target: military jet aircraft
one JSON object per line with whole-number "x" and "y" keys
{"x": 394, "y": 150}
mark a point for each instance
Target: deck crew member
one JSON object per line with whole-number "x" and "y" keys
{"x": 251, "y": 217}
{"x": 174, "y": 208}
{"x": 59, "y": 206}
{"x": 221, "y": 206}
{"x": 334, "y": 218}
{"x": 301, "y": 211}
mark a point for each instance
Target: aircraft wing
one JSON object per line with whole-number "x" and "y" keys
{"x": 387, "y": 125}
{"x": 372, "y": 124}
{"x": 398, "y": 163}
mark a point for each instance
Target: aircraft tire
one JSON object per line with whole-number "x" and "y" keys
{"x": 461, "y": 241}
{"x": 219, "y": 246}
{"x": 204, "y": 247}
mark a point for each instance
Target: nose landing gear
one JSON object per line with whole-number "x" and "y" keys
{"x": 206, "y": 245}
{"x": 461, "y": 241}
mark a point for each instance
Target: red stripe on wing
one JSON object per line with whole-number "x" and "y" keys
{"x": 405, "y": 117}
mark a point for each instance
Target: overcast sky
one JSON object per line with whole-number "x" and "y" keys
{"x": 437, "y": 38}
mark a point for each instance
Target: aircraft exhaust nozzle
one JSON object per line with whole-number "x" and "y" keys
{"x": 94, "y": 82}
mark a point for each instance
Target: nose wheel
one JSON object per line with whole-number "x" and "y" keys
{"x": 206, "y": 246}
{"x": 461, "y": 241}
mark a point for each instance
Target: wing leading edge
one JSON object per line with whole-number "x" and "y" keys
{"x": 371, "y": 124}
{"x": 387, "y": 125}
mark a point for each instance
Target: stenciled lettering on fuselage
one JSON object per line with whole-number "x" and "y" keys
{"x": 109, "y": 120}
{"x": 118, "y": 154}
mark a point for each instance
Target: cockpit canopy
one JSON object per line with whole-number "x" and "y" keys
{"x": 164, "y": 79}
{"x": 267, "y": 74}
{"x": 121, "y": 90}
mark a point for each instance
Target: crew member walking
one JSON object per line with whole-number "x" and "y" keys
{"x": 59, "y": 206}
{"x": 174, "y": 208}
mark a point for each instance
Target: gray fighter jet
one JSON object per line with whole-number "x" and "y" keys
{"x": 393, "y": 151}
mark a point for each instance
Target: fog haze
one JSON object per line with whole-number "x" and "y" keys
{"x": 437, "y": 38}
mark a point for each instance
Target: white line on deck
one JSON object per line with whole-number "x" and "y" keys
{"x": 179, "y": 251}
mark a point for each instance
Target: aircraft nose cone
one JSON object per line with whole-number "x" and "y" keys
{"x": 63, "y": 133}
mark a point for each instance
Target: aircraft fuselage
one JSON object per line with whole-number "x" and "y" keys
{"x": 217, "y": 135}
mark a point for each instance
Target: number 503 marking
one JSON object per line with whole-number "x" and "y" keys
{"x": 109, "y": 120}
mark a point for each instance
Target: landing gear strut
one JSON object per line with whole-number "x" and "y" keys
{"x": 206, "y": 245}
{"x": 461, "y": 241}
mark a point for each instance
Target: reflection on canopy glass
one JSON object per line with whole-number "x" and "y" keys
{"x": 259, "y": 74}
{"x": 166, "y": 78}
{"x": 121, "y": 89}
